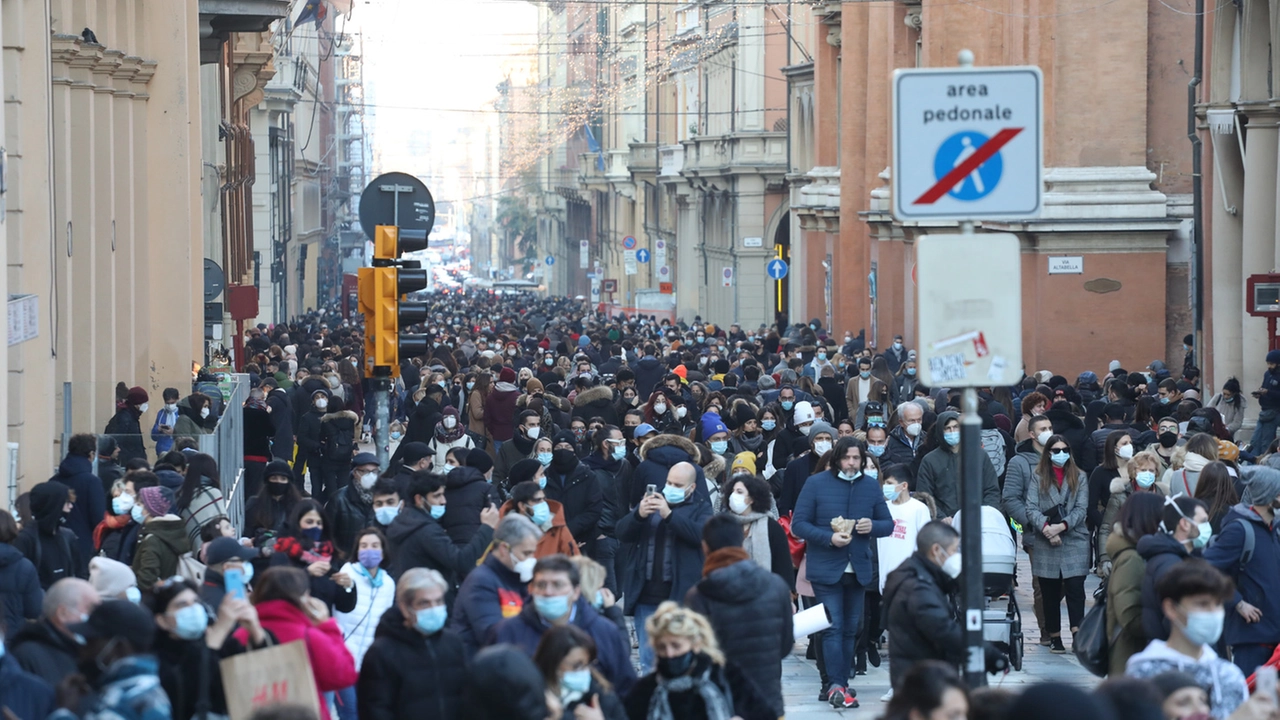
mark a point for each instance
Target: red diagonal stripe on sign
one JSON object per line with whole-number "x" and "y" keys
{"x": 971, "y": 163}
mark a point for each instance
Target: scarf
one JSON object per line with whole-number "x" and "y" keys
{"x": 256, "y": 403}
{"x": 722, "y": 558}
{"x": 1194, "y": 462}
{"x": 716, "y": 705}
{"x": 756, "y": 544}
{"x": 445, "y": 435}
{"x": 750, "y": 442}
{"x": 109, "y": 522}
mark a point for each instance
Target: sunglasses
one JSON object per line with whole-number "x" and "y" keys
{"x": 1060, "y": 449}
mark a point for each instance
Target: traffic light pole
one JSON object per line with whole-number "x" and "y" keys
{"x": 382, "y": 419}
{"x": 971, "y": 456}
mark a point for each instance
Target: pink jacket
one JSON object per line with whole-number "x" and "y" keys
{"x": 331, "y": 662}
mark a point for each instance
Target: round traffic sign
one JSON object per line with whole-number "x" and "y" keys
{"x": 629, "y": 242}
{"x": 777, "y": 268}
{"x": 551, "y": 260}
{"x": 980, "y": 181}
{"x": 642, "y": 255}
{"x": 663, "y": 271}
{"x": 396, "y": 199}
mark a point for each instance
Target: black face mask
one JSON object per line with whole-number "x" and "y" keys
{"x": 277, "y": 490}
{"x": 628, "y": 432}
{"x": 676, "y": 666}
{"x": 563, "y": 461}
{"x": 1168, "y": 439}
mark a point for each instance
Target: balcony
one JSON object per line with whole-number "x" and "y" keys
{"x": 670, "y": 162}
{"x": 757, "y": 153}
{"x": 818, "y": 205}
{"x": 615, "y": 174}
{"x": 220, "y": 18}
{"x": 642, "y": 161}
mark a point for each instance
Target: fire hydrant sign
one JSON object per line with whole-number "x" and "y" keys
{"x": 967, "y": 143}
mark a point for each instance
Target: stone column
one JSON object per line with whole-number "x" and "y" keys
{"x": 1226, "y": 277}
{"x": 684, "y": 257}
{"x": 1259, "y": 230}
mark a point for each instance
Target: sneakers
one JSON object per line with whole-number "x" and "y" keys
{"x": 841, "y": 698}
{"x": 887, "y": 696}
{"x": 1056, "y": 647}
{"x": 1044, "y": 640}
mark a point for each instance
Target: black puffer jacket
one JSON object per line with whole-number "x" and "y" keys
{"x": 44, "y": 651}
{"x": 1070, "y": 427}
{"x": 282, "y": 421}
{"x": 921, "y": 616}
{"x": 750, "y": 610}
{"x": 338, "y": 436}
{"x": 596, "y": 402}
{"x": 467, "y": 493}
{"x": 309, "y": 433}
{"x": 732, "y": 682}
{"x": 614, "y": 477}
{"x": 579, "y": 492}
{"x": 351, "y": 513}
{"x": 49, "y": 546}
{"x": 406, "y": 674}
{"x": 20, "y": 593}
{"x": 418, "y": 540}
{"x": 127, "y": 430}
{"x": 1161, "y": 551}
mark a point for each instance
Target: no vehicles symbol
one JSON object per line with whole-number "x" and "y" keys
{"x": 968, "y": 166}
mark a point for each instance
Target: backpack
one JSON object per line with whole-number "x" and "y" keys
{"x": 338, "y": 442}
{"x": 1246, "y": 547}
{"x": 993, "y": 444}
{"x": 1091, "y": 643}
{"x": 191, "y": 568}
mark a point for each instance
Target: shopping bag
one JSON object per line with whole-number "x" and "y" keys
{"x": 280, "y": 674}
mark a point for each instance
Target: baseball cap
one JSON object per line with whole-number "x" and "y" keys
{"x": 223, "y": 549}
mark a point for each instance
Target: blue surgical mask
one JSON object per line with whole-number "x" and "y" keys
{"x": 1206, "y": 532}
{"x": 191, "y": 621}
{"x": 822, "y": 356}
{"x": 864, "y": 374}
{"x": 1059, "y": 458}
{"x": 576, "y": 681}
{"x": 871, "y": 472}
{"x": 768, "y": 425}
{"x": 673, "y": 495}
{"x": 542, "y": 482}
{"x": 541, "y": 513}
{"x": 551, "y": 607}
{"x": 136, "y": 513}
{"x": 437, "y": 511}
{"x": 122, "y": 504}
{"x": 787, "y": 405}
{"x": 952, "y": 437}
{"x": 849, "y": 476}
{"x": 719, "y": 446}
{"x": 430, "y": 620}
{"x": 396, "y": 435}
{"x": 911, "y": 372}
{"x": 890, "y": 492}
{"x": 619, "y": 452}
{"x": 875, "y": 450}
{"x": 544, "y": 458}
{"x": 1164, "y": 399}
{"x": 384, "y": 515}
{"x": 1204, "y": 627}
{"x": 1146, "y": 478}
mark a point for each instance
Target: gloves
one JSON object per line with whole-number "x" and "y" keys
{"x": 1104, "y": 570}
{"x": 996, "y": 661}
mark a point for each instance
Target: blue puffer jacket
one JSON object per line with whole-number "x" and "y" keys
{"x": 491, "y": 593}
{"x": 23, "y": 694}
{"x": 1257, "y": 583}
{"x": 824, "y": 497}
{"x": 20, "y": 593}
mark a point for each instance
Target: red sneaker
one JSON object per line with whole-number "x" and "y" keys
{"x": 841, "y": 698}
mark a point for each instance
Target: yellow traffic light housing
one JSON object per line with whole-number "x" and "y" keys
{"x": 381, "y": 292}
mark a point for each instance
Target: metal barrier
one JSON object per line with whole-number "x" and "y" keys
{"x": 226, "y": 445}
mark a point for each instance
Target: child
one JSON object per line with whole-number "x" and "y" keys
{"x": 909, "y": 515}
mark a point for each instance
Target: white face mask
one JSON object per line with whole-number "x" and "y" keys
{"x": 204, "y": 412}
{"x": 1125, "y": 452}
{"x": 533, "y": 432}
{"x": 822, "y": 447}
{"x": 1043, "y": 438}
{"x": 525, "y": 568}
{"x": 171, "y": 407}
{"x": 952, "y": 565}
{"x": 660, "y": 408}
{"x": 143, "y": 407}
{"x": 913, "y": 429}
{"x": 738, "y": 503}
{"x": 680, "y": 411}
{"x": 321, "y": 404}
{"x": 450, "y": 422}
{"x": 368, "y": 479}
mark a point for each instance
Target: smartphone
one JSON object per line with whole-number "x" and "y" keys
{"x": 233, "y": 582}
{"x": 650, "y": 489}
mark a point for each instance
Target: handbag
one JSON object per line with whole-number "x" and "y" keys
{"x": 795, "y": 545}
{"x": 277, "y": 675}
{"x": 1090, "y": 643}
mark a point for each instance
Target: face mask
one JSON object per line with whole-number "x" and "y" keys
{"x": 471, "y": 385}
{"x": 1125, "y": 452}
{"x": 890, "y": 492}
{"x": 787, "y": 405}
{"x": 191, "y": 621}
{"x": 368, "y": 479}
{"x": 171, "y": 407}
{"x": 313, "y": 533}
{"x": 701, "y": 340}
{"x": 674, "y": 495}
{"x": 1204, "y": 627}
{"x": 437, "y": 511}
{"x": 511, "y": 352}
{"x": 1206, "y": 532}
{"x": 864, "y": 374}
{"x": 619, "y": 452}
{"x": 719, "y": 446}
{"x": 370, "y": 559}
{"x": 676, "y": 666}
{"x": 1168, "y": 439}
{"x": 549, "y": 362}
{"x": 913, "y": 429}
{"x": 1146, "y": 478}
{"x": 384, "y": 515}
{"x": 525, "y": 568}
{"x": 849, "y": 476}
{"x": 576, "y": 681}
{"x": 541, "y": 513}
{"x": 430, "y": 620}
{"x": 769, "y": 425}
{"x": 1043, "y": 438}
{"x": 579, "y": 433}
{"x": 822, "y": 356}
{"x": 544, "y": 458}
{"x": 121, "y": 505}
{"x": 136, "y": 514}
{"x": 911, "y": 372}
{"x": 871, "y": 472}
{"x": 533, "y": 432}
{"x": 1164, "y": 399}
{"x": 133, "y": 595}
{"x": 551, "y": 607}
{"x": 542, "y": 482}
{"x": 450, "y": 422}
{"x": 875, "y": 450}
{"x": 897, "y": 346}
{"x": 951, "y": 566}
{"x": 1059, "y": 458}
{"x": 143, "y": 407}
{"x": 681, "y": 412}
{"x": 822, "y": 447}
{"x": 204, "y": 412}
{"x": 738, "y": 503}
{"x": 396, "y": 435}
{"x": 322, "y": 404}
{"x": 951, "y": 437}
{"x": 659, "y": 408}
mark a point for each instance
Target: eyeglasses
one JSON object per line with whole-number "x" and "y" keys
{"x": 1059, "y": 449}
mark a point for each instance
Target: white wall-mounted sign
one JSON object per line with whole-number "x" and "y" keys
{"x": 752, "y": 242}
{"x": 1071, "y": 265}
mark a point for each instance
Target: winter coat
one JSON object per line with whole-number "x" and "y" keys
{"x": 491, "y": 593}
{"x": 1120, "y": 490}
{"x": 25, "y": 695}
{"x": 419, "y": 540}
{"x": 282, "y": 420}
{"x": 162, "y": 543}
{"x": 121, "y": 544}
{"x": 42, "y": 650}
{"x": 440, "y": 450}
{"x": 649, "y": 371}
{"x": 745, "y": 698}
{"x": 556, "y": 540}
{"x": 1013, "y": 496}
{"x": 20, "y": 593}
{"x": 656, "y": 459}
{"x": 410, "y": 675}
{"x": 323, "y": 588}
{"x": 130, "y": 690}
{"x": 257, "y": 433}
{"x": 475, "y": 413}
{"x": 614, "y": 478}
{"x": 500, "y": 411}
{"x": 1124, "y": 602}
{"x": 596, "y": 402}
{"x": 613, "y": 649}
{"x": 372, "y": 600}
{"x": 189, "y": 423}
{"x": 793, "y": 478}
{"x": 939, "y": 476}
{"x": 826, "y": 496}
{"x": 76, "y": 472}
{"x": 180, "y": 670}
{"x": 1161, "y": 552}
{"x": 350, "y": 513}
{"x": 579, "y": 493}
{"x": 1071, "y": 558}
{"x": 1257, "y": 583}
{"x": 309, "y": 433}
{"x": 331, "y": 662}
{"x": 921, "y": 616}
{"x": 750, "y": 610}
{"x": 900, "y": 451}
{"x": 109, "y": 471}
{"x": 206, "y": 505}
{"x": 513, "y": 451}
{"x": 467, "y": 493}
{"x": 125, "y": 427}
{"x": 51, "y": 548}
{"x": 338, "y": 436}
{"x": 1232, "y": 413}
{"x": 682, "y": 532}
{"x": 1222, "y": 680}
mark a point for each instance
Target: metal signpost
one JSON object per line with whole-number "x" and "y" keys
{"x": 967, "y": 146}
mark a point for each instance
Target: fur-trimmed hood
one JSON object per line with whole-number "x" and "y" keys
{"x": 1119, "y": 483}
{"x": 713, "y": 464}
{"x": 595, "y": 394}
{"x": 668, "y": 440}
{"x": 340, "y": 415}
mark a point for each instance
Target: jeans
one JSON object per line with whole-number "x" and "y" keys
{"x": 1249, "y": 657}
{"x": 1052, "y": 589}
{"x": 643, "y": 612}
{"x": 345, "y": 700}
{"x": 844, "y": 603}
{"x": 1263, "y": 433}
{"x": 497, "y": 446}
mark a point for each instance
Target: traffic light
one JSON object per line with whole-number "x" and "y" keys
{"x": 382, "y": 289}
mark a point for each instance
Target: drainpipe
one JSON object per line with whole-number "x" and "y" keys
{"x": 1197, "y": 193}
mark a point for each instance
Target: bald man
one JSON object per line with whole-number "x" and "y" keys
{"x": 46, "y": 648}
{"x": 666, "y": 528}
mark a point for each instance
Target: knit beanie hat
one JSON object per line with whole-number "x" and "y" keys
{"x": 136, "y": 396}
{"x": 480, "y": 460}
{"x": 111, "y": 578}
{"x": 712, "y": 424}
{"x": 1262, "y": 485}
{"x": 743, "y": 462}
{"x": 523, "y": 471}
{"x": 157, "y": 500}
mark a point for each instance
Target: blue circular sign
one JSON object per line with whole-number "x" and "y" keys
{"x": 551, "y": 260}
{"x": 777, "y": 268}
{"x": 629, "y": 242}
{"x": 642, "y": 255}
{"x": 979, "y": 182}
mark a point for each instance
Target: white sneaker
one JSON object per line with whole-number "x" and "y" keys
{"x": 887, "y": 696}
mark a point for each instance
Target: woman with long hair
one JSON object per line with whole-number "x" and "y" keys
{"x": 692, "y": 680}
{"x": 266, "y": 513}
{"x": 1231, "y": 405}
{"x": 1139, "y": 477}
{"x": 375, "y": 591}
{"x": 478, "y": 387}
{"x": 1116, "y": 454}
{"x": 1217, "y": 488}
{"x": 1139, "y": 516}
{"x": 307, "y": 544}
{"x": 199, "y": 500}
{"x": 566, "y": 656}
{"x": 1184, "y": 470}
{"x": 1057, "y": 503}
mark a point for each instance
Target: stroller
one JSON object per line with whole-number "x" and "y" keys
{"x": 1001, "y": 626}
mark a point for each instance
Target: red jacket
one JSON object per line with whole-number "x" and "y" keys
{"x": 331, "y": 662}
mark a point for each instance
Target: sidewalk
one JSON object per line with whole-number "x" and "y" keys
{"x": 800, "y": 676}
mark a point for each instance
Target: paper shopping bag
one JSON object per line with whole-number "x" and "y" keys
{"x": 280, "y": 674}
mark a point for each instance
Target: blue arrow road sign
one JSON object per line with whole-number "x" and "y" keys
{"x": 777, "y": 268}
{"x": 551, "y": 260}
{"x": 642, "y": 255}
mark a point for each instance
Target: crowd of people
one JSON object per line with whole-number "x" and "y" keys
{"x": 567, "y": 487}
